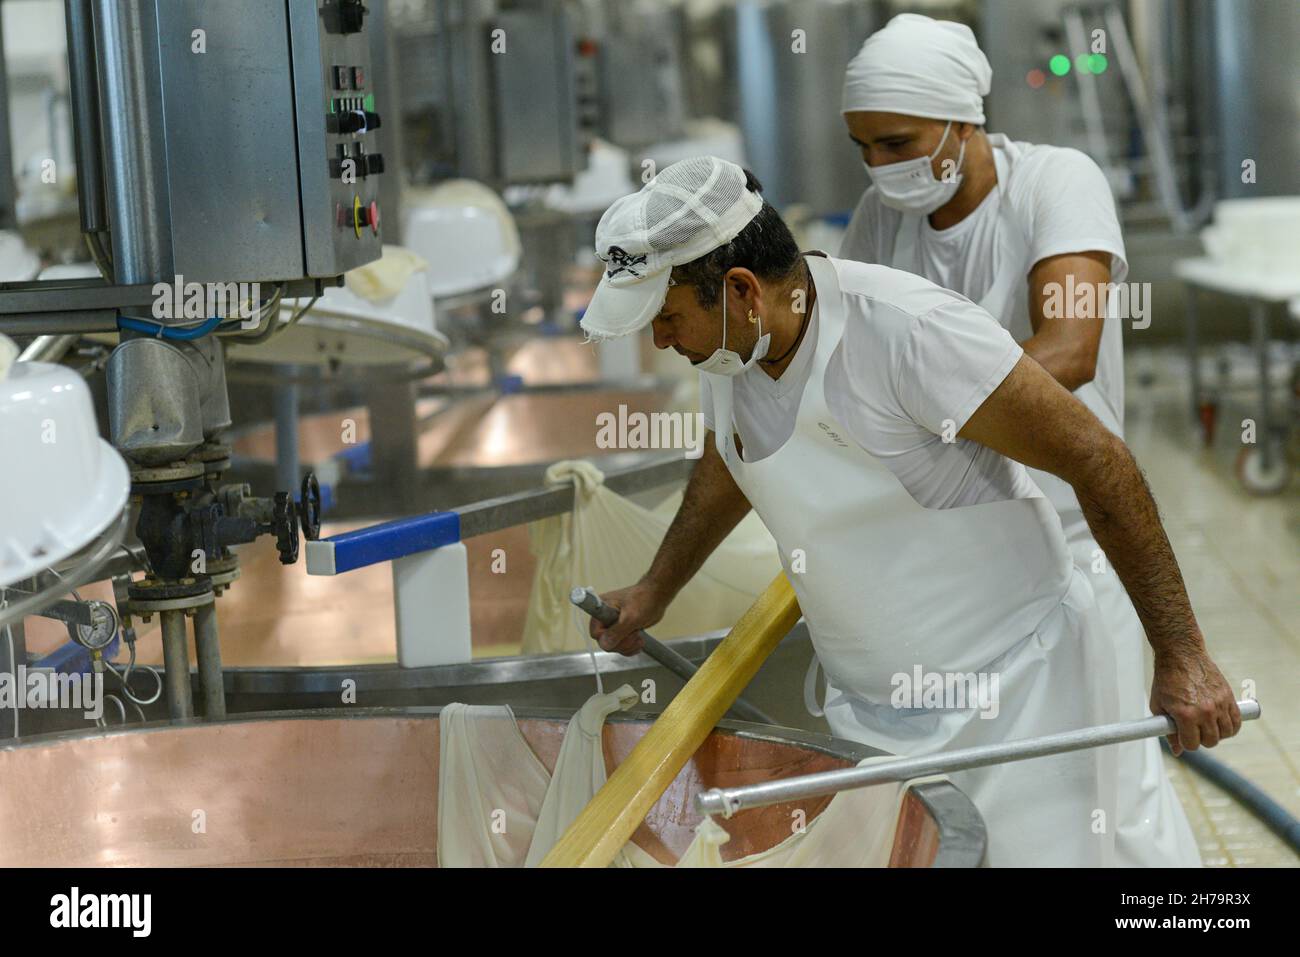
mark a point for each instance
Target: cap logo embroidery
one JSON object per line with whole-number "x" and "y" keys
{"x": 619, "y": 261}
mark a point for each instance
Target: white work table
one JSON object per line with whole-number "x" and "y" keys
{"x": 1261, "y": 290}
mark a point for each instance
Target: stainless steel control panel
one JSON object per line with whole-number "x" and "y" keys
{"x": 339, "y": 144}
{"x": 240, "y": 138}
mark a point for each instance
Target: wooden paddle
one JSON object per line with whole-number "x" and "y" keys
{"x": 609, "y": 820}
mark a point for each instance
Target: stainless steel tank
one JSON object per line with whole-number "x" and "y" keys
{"x": 787, "y": 102}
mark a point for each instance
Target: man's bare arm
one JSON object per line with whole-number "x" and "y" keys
{"x": 1067, "y": 345}
{"x": 1031, "y": 418}
{"x": 712, "y": 506}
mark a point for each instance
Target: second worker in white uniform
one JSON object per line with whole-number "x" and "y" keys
{"x": 876, "y": 422}
{"x": 1025, "y": 231}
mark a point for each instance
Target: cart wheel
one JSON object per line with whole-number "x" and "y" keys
{"x": 1256, "y": 478}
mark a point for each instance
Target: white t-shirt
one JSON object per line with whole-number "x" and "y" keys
{"x": 1063, "y": 204}
{"x": 914, "y": 363}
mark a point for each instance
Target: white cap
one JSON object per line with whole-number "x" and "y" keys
{"x": 687, "y": 211}
{"x": 918, "y": 66}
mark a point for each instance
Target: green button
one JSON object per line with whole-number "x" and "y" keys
{"x": 369, "y": 103}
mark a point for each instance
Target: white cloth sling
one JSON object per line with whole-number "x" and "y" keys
{"x": 608, "y": 541}
{"x": 498, "y": 806}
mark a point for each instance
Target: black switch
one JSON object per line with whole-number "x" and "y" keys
{"x": 374, "y": 164}
{"x": 372, "y": 121}
{"x": 346, "y": 123}
{"x": 352, "y": 14}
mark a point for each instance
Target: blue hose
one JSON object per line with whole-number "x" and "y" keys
{"x": 168, "y": 332}
{"x": 1277, "y": 818}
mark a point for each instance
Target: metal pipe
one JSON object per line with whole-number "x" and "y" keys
{"x": 176, "y": 661}
{"x": 13, "y": 654}
{"x": 727, "y": 801}
{"x": 495, "y": 514}
{"x": 48, "y": 348}
{"x": 80, "y": 322}
{"x": 8, "y": 187}
{"x": 284, "y": 401}
{"x": 589, "y": 601}
{"x": 136, "y": 190}
{"x": 84, "y": 94}
{"x": 1264, "y": 428}
{"x": 211, "y": 683}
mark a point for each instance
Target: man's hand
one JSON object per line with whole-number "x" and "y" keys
{"x": 639, "y": 607}
{"x": 1189, "y": 687}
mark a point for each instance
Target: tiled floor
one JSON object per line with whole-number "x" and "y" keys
{"x": 1240, "y": 556}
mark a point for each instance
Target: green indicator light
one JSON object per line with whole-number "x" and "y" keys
{"x": 1059, "y": 64}
{"x": 369, "y": 103}
{"x": 332, "y": 102}
{"x": 1081, "y": 63}
{"x": 1097, "y": 63}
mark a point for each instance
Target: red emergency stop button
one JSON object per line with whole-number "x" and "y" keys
{"x": 372, "y": 214}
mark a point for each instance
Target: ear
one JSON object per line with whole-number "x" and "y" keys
{"x": 965, "y": 130}
{"x": 743, "y": 286}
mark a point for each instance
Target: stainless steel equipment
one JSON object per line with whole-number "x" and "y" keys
{"x": 221, "y": 147}
{"x": 488, "y": 91}
{"x": 787, "y": 102}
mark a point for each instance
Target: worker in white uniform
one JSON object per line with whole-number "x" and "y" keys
{"x": 1021, "y": 229}
{"x": 876, "y": 423}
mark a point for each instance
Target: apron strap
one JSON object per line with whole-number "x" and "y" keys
{"x": 810, "y": 688}
{"x": 1012, "y": 241}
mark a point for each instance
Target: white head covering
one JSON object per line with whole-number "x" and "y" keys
{"x": 917, "y": 66}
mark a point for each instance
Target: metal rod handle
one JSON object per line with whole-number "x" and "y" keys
{"x": 589, "y": 601}
{"x": 727, "y": 801}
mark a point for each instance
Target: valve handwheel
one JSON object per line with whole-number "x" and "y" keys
{"x": 310, "y": 507}
{"x": 286, "y": 528}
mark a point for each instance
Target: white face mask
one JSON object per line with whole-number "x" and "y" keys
{"x": 726, "y": 362}
{"x": 910, "y": 186}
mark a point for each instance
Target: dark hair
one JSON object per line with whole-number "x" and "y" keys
{"x": 765, "y": 247}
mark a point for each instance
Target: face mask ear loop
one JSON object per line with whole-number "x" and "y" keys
{"x": 961, "y": 158}
{"x": 943, "y": 139}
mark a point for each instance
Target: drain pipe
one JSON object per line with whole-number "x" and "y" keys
{"x": 1277, "y": 818}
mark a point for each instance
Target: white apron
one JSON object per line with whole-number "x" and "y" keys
{"x": 1153, "y": 830}
{"x": 888, "y": 585}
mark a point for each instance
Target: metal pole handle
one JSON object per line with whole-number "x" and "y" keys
{"x": 589, "y": 601}
{"x": 727, "y": 801}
